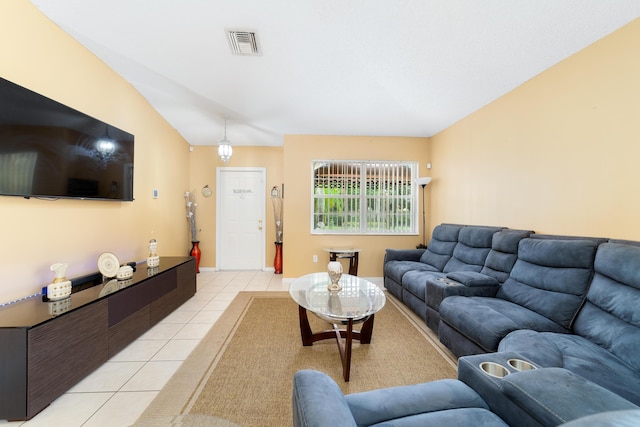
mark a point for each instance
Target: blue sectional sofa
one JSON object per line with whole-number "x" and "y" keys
{"x": 567, "y": 306}
{"x": 478, "y": 257}
{"x": 544, "y": 292}
{"x": 494, "y": 272}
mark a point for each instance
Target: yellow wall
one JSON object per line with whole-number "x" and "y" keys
{"x": 557, "y": 155}
{"x": 299, "y": 244}
{"x": 203, "y": 162}
{"x": 35, "y": 233}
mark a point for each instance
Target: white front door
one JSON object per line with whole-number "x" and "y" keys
{"x": 240, "y": 207}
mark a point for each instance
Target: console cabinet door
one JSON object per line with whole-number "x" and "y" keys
{"x": 186, "y": 280}
{"x": 13, "y": 373}
{"x": 64, "y": 351}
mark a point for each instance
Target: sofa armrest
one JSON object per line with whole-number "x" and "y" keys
{"x": 472, "y": 279}
{"x": 403, "y": 255}
{"x": 555, "y": 395}
{"x": 318, "y": 401}
{"x": 377, "y": 406}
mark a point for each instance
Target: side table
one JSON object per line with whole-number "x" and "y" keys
{"x": 350, "y": 254}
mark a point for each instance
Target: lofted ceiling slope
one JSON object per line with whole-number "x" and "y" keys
{"x": 331, "y": 67}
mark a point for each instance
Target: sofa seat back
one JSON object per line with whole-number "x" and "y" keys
{"x": 468, "y": 254}
{"x": 472, "y": 248}
{"x": 551, "y": 277}
{"x": 444, "y": 239}
{"x": 611, "y": 314}
{"x": 503, "y": 254}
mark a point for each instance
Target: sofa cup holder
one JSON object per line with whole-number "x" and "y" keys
{"x": 494, "y": 369}
{"x": 446, "y": 281}
{"x": 520, "y": 365}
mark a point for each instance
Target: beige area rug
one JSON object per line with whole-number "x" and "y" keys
{"x": 241, "y": 372}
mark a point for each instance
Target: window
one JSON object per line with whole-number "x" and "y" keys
{"x": 364, "y": 197}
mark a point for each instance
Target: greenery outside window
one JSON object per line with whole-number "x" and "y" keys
{"x": 364, "y": 197}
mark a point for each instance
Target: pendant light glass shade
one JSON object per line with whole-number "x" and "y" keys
{"x": 225, "y": 150}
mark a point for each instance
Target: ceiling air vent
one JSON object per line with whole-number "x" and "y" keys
{"x": 243, "y": 43}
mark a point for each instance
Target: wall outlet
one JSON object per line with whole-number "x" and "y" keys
{"x": 315, "y": 258}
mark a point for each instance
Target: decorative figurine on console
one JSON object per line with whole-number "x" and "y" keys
{"x": 125, "y": 272}
{"x": 110, "y": 267}
{"x": 334, "y": 268}
{"x": 153, "y": 260}
{"x": 60, "y": 287}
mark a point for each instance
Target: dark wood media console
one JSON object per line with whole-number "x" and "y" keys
{"x": 48, "y": 347}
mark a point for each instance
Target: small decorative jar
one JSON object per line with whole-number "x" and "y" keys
{"x": 125, "y": 272}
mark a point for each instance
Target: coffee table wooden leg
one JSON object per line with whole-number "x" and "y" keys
{"x": 346, "y": 360}
{"x": 305, "y": 329}
{"x": 343, "y": 337}
{"x": 353, "y": 264}
{"x": 366, "y": 330}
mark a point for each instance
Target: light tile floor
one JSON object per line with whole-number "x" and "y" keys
{"x": 117, "y": 393}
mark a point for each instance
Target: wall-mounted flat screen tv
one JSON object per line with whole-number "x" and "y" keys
{"x": 49, "y": 150}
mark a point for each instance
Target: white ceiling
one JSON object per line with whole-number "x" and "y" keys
{"x": 331, "y": 67}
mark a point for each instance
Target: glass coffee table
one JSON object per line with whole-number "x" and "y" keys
{"x": 357, "y": 302}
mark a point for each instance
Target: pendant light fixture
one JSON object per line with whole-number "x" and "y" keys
{"x": 224, "y": 147}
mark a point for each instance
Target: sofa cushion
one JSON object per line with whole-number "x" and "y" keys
{"x": 503, "y": 253}
{"x": 415, "y": 282}
{"x": 610, "y": 316}
{"x": 485, "y": 321}
{"x": 463, "y": 417}
{"x": 443, "y": 241}
{"x": 394, "y": 403}
{"x": 470, "y": 253}
{"x": 578, "y": 355}
{"x": 397, "y": 269}
{"x": 551, "y": 277}
{"x": 628, "y": 418}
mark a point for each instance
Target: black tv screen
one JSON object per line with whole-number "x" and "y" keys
{"x": 50, "y": 150}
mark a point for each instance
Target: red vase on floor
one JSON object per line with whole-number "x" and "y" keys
{"x": 195, "y": 252}
{"x": 277, "y": 262}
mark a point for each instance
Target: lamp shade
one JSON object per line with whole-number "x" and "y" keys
{"x": 225, "y": 150}
{"x": 425, "y": 180}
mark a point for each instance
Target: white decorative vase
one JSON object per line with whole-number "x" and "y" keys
{"x": 335, "y": 272}
{"x": 153, "y": 260}
{"x": 60, "y": 287}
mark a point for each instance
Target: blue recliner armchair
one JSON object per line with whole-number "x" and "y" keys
{"x": 318, "y": 402}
